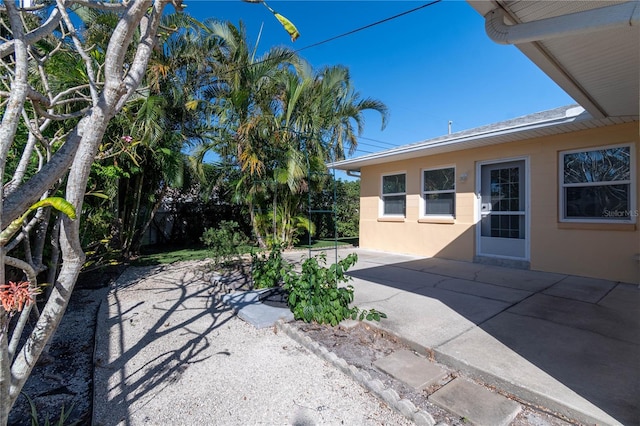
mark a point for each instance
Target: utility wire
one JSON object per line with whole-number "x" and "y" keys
{"x": 415, "y": 9}
{"x": 378, "y": 141}
{"x": 369, "y": 145}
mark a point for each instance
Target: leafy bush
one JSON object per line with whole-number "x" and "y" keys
{"x": 314, "y": 294}
{"x": 269, "y": 270}
{"x": 227, "y": 242}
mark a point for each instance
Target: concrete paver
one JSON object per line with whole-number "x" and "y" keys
{"x": 394, "y": 276}
{"x": 581, "y": 288}
{"x": 566, "y": 370}
{"x": 432, "y": 322}
{"x": 518, "y": 278}
{"x": 447, "y": 268}
{"x": 490, "y": 291}
{"x": 411, "y": 369}
{"x": 570, "y": 344}
{"x": 475, "y": 403}
{"x": 515, "y": 278}
{"x": 580, "y": 315}
{"x": 623, "y": 298}
{"x": 474, "y": 308}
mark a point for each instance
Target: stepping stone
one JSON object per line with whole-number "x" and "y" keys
{"x": 249, "y": 308}
{"x": 476, "y": 404}
{"x": 261, "y": 316}
{"x": 411, "y": 369}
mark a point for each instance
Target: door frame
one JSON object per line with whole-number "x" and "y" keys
{"x": 527, "y": 210}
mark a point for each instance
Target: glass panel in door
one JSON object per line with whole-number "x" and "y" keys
{"x": 502, "y": 210}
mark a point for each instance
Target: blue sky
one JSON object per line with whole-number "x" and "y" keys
{"x": 428, "y": 67}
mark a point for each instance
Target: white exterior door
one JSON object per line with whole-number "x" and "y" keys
{"x": 503, "y": 230}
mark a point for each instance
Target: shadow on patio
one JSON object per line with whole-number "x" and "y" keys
{"x": 568, "y": 343}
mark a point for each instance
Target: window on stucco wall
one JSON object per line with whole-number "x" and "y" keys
{"x": 394, "y": 195}
{"x": 439, "y": 192}
{"x": 598, "y": 185}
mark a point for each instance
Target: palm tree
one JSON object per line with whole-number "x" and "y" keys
{"x": 274, "y": 119}
{"x": 236, "y": 101}
{"x": 317, "y": 116}
{"x": 344, "y": 109}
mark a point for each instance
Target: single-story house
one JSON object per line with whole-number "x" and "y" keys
{"x": 552, "y": 191}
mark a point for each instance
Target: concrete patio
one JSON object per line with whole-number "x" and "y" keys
{"x": 570, "y": 344}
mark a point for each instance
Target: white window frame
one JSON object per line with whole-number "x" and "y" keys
{"x": 631, "y": 182}
{"x": 423, "y": 194}
{"x": 383, "y": 195}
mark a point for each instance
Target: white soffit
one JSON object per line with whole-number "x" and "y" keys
{"x": 600, "y": 69}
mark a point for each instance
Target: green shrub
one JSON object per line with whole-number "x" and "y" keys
{"x": 269, "y": 270}
{"x": 226, "y": 243}
{"x": 314, "y": 294}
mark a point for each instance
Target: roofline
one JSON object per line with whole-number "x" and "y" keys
{"x": 503, "y": 132}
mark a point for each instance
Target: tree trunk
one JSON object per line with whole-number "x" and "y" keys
{"x": 79, "y": 150}
{"x": 256, "y": 228}
{"x": 8, "y": 128}
{"x": 72, "y": 256}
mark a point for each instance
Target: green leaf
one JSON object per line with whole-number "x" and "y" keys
{"x": 57, "y": 203}
{"x": 191, "y": 105}
{"x": 288, "y": 26}
{"x": 98, "y": 194}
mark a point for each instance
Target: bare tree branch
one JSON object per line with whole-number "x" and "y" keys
{"x": 29, "y": 192}
{"x": 19, "y": 88}
{"x": 33, "y": 36}
{"x": 88, "y": 62}
{"x": 8, "y": 128}
{"x": 106, "y": 6}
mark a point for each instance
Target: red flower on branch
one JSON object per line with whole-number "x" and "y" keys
{"x": 14, "y": 296}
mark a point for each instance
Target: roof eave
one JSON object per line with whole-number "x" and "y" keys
{"x": 493, "y": 137}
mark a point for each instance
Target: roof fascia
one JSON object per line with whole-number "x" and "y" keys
{"x": 423, "y": 148}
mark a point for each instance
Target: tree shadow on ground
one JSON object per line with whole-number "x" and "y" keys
{"x": 154, "y": 325}
{"x": 578, "y": 331}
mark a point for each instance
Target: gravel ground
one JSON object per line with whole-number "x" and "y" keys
{"x": 169, "y": 353}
